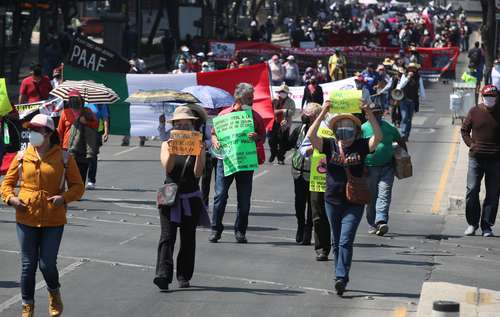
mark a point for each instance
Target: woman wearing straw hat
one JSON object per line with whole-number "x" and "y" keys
{"x": 345, "y": 156}
{"x": 188, "y": 210}
{"x": 42, "y": 170}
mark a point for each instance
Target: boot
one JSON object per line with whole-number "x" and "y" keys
{"x": 300, "y": 234}
{"x": 307, "y": 236}
{"x": 55, "y": 303}
{"x": 28, "y": 310}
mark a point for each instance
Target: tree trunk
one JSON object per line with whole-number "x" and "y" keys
{"x": 488, "y": 35}
{"x": 256, "y": 6}
{"x": 234, "y": 16}
{"x": 173, "y": 18}
{"x": 154, "y": 29}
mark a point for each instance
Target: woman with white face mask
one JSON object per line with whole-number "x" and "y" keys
{"x": 345, "y": 157}
{"x": 49, "y": 180}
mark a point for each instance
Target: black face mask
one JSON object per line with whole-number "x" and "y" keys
{"x": 74, "y": 104}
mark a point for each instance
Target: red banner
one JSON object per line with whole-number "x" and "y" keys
{"x": 350, "y": 39}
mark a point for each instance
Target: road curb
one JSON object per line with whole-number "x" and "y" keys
{"x": 474, "y": 301}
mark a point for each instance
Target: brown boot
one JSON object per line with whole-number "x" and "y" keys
{"x": 28, "y": 310}
{"x": 55, "y": 303}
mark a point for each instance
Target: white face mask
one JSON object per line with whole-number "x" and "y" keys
{"x": 283, "y": 95}
{"x": 36, "y": 138}
{"x": 489, "y": 101}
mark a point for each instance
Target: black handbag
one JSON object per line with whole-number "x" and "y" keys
{"x": 166, "y": 194}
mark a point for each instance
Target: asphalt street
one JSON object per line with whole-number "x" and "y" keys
{"x": 108, "y": 251}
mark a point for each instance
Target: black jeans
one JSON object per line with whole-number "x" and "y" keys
{"x": 83, "y": 166}
{"x": 210, "y": 165}
{"x": 185, "y": 257}
{"x": 278, "y": 141}
{"x": 302, "y": 199}
{"x": 490, "y": 170}
{"x": 322, "y": 241}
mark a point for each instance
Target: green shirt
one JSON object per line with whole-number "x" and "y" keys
{"x": 384, "y": 152}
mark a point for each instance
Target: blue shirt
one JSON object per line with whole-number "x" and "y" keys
{"x": 101, "y": 111}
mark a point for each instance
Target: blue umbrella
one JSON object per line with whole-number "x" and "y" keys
{"x": 211, "y": 97}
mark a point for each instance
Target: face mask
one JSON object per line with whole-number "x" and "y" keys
{"x": 36, "y": 138}
{"x": 205, "y": 68}
{"x": 186, "y": 127}
{"x": 283, "y": 95}
{"x": 182, "y": 66}
{"x": 74, "y": 104}
{"x": 344, "y": 133}
{"x": 489, "y": 101}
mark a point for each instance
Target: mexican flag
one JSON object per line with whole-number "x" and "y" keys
{"x": 126, "y": 84}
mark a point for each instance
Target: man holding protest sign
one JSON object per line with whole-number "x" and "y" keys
{"x": 238, "y": 131}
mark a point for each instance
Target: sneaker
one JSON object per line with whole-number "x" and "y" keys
{"x": 28, "y": 310}
{"x": 55, "y": 303}
{"x": 214, "y": 237}
{"x": 372, "y": 230}
{"x": 90, "y": 186}
{"x": 340, "y": 286}
{"x": 487, "y": 233}
{"x": 382, "y": 229}
{"x": 183, "y": 284}
{"x": 271, "y": 159}
{"x": 161, "y": 282}
{"x": 240, "y": 237}
{"x": 470, "y": 231}
{"x": 321, "y": 257}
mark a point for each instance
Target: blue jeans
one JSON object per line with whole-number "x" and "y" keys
{"x": 39, "y": 246}
{"x": 244, "y": 181}
{"x": 406, "y": 108}
{"x": 344, "y": 221}
{"x": 490, "y": 170}
{"x": 380, "y": 180}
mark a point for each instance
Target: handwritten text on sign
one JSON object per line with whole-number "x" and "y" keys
{"x": 240, "y": 152}
{"x": 185, "y": 142}
{"x": 345, "y": 101}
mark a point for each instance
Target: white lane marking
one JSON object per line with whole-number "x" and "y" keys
{"x": 444, "y": 122}
{"x": 209, "y": 275}
{"x": 264, "y": 172}
{"x": 153, "y": 201}
{"x": 126, "y": 151}
{"x": 17, "y": 298}
{"x": 131, "y": 239}
{"x": 418, "y": 120}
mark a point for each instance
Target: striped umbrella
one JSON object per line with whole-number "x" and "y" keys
{"x": 91, "y": 92}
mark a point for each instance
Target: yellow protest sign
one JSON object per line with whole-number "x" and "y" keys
{"x": 5, "y": 106}
{"x": 317, "y": 178}
{"x": 324, "y": 132}
{"x": 345, "y": 101}
{"x": 185, "y": 142}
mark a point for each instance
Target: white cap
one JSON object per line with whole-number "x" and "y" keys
{"x": 42, "y": 120}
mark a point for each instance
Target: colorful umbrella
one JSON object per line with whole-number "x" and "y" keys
{"x": 91, "y": 92}
{"x": 211, "y": 97}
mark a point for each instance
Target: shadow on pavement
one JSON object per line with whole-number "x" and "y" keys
{"x": 398, "y": 262}
{"x": 378, "y": 245}
{"x": 9, "y": 284}
{"x": 255, "y": 291}
{"x": 364, "y": 293}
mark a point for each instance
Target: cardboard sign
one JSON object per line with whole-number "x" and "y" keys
{"x": 240, "y": 153}
{"x": 186, "y": 142}
{"x": 317, "y": 178}
{"x": 345, "y": 101}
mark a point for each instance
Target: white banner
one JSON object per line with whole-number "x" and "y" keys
{"x": 145, "y": 119}
{"x": 297, "y": 93}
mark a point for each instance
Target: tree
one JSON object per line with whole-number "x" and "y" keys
{"x": 172, "y": 7}
{"x": 488, "y": 35}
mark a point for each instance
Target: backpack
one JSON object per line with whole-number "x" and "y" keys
{"x": 65, "y": 159}
{"x": 475, "y": 57}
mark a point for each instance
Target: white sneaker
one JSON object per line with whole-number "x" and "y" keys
{"x": 470, "y": 231}
{"x": 90, "y": 186}
{"x": 487, "y": 233}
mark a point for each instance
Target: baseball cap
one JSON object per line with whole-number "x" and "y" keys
{"x": 41, "y": 121}
{"x": 490, "y": 91}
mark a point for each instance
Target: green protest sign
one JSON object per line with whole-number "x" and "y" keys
{"x": 345, "y": 101}
{"x": 5, "y": 106}
{"x": 240, "y": 153}
{"x": 317, "y": 178}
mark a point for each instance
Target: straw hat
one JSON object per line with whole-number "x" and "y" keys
{"x": 388, "y": 62}
{"x": 182, "y": 113}
{"x": 413, "y": 65}
{"x": 283, "y": 88}
{"x": 341, "y": 116}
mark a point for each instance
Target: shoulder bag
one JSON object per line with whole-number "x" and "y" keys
{"x": 356, "y": 190}
{"x": 167, "y": 193}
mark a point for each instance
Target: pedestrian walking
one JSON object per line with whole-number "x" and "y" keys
{"x": 380, "y": 172}
{"x": 484, "y": 161}
{"x": 346, "y": 188}
{"x": 35, "y": 87}
{"x": 77, "y": 129}
{"x": 413, "y": 88}
{"x": 186, "y": 213}
{"x": 292, "y": 74}
{"x": 312, "y": 92}
{"x": 277, "y": 71}
{"x": 102, "y": 115}
{"x": 49, "y": 180}
{"x": 243, "y": 96}
{"x": 284, "y": 109}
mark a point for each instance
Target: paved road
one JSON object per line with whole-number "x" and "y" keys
{"x": 109, "y": 246}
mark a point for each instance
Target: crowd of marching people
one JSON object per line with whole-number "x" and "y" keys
{"x": 358, "y": 150}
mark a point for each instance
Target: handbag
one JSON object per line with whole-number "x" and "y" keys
{"x": 166, "y": 194}
{"x": 357, "y": 190}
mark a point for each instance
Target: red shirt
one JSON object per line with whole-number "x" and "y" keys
{"x": 35, "y": 91}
